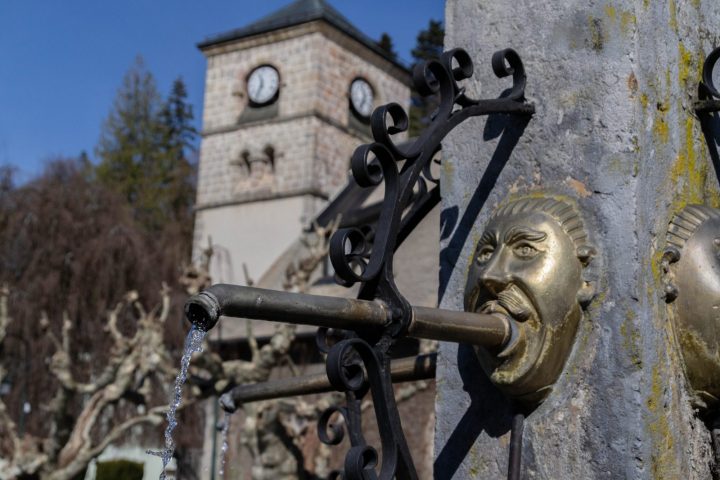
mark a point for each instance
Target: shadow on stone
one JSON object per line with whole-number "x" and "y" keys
{"x": 489, "y": 412}
{"x": 511, "y": 128}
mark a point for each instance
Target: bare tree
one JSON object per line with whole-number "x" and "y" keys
{"x": 134, "y": 362}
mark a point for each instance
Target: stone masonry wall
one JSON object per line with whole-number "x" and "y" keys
{"x": 311, "y": 133}
{"x": 613, "y": 83}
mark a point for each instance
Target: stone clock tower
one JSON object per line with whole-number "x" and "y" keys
{"x": 287, "y": 100}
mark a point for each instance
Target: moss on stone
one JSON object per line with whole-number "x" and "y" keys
{"x": 663, "y": 464}
{"x": 631, "y": 339}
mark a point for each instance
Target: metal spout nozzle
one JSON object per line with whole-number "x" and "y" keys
{"x": 204, "y": 309}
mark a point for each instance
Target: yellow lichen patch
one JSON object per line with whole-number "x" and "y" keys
{"x": 661, "y": 130}
{"x": 631, "y": 339}
{"x": 644, "y": 101}
{"x": 685, "y": 65}
{"x": 656, "y": 267}
{"x": 687, "y": 173}
{"x": 673, "y": 15}
{"x": 699, "y": 63}
{"x": 610, "y": 12}
{"x": 663, "y": 460}
{"x": 627, "y": 20}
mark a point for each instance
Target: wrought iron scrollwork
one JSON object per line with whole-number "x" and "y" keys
{"x": 707, "y": 106}
{"x": 361, "y": 362}
{"x": 709, "y": 96}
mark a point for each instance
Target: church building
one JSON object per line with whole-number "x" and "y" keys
{"x": 287, "y": 100}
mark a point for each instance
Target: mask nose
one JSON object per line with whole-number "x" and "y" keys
{"x": 495, "y": 277}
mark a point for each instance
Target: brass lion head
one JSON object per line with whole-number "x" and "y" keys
{"x": 529, "y": 266}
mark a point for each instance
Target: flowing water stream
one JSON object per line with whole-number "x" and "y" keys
{"x": 224, "y": 448}
{"x": 193, "y": 343}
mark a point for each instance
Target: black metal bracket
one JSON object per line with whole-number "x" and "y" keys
{"x": 355, "y": 259}
{"x": 706, "y": 108}
{"x": 359, "y": 363}
{"x": 708, "y": 95}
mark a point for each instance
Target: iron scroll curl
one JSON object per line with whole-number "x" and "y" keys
{"x": 362, "y": 360}
{"x": 361, "y": 459}
{"x": 708, "y": 85}
{"x": 351, "y": 253}
{"x": 708, "y": 95}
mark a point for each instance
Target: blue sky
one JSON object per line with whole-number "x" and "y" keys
{"x": 62, "y": 61}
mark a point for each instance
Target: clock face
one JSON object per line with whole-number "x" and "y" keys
{"x": 361, "y": 97}
{"x": 263, "y": 84}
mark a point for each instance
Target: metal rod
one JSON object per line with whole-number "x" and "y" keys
{"x": 515, "y": 454}
{"x": 421, "y": 367}
{"x": 204, "y": 310}
{"x": 706, "y": 106}
{"x": 491, "y": 331}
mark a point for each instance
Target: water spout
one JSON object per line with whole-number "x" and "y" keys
{"x": 493, "y": 331}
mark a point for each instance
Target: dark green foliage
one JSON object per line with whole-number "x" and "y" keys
{"x": 145, "y": 151}
{"x": 429, "y": 42}
{"x": 386, "y": 43}
{"x": 429, "y": 46}
{"x": 119, "y": 470}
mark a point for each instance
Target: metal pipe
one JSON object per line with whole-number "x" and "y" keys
{"x": 404, "y": 370}
{"x": 204, "y": 310}
{"x": 492, "y": 331}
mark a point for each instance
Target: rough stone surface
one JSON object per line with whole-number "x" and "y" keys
{"x": 613, "y": 83}
{"x": 309, "y": 129}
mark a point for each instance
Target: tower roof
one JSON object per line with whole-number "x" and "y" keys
{"x": 296, "y": 13}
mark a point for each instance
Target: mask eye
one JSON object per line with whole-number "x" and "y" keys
{"x": 525, "y": 250}
{"x": 485, "y": 254}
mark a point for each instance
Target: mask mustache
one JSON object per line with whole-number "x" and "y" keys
{"x": 513, "y": 301}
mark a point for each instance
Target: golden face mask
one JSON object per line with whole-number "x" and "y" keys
{"x": 528, "y": 265}
{"x": 691, "y": 265}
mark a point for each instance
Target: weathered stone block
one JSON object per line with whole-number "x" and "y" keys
{"x": 613, "y": 83}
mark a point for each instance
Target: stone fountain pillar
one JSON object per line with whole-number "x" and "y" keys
{"x": 613, "y": 83}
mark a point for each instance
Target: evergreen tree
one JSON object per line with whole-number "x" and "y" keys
{"x": 386, "y": 43}
{"x": 177, "y": 170}
{"x": 429, "y": 42}
{"x": 145, "y": 151}
{"x": 429, "y": 46}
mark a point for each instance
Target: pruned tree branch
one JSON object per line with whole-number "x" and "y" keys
{"x": 133, "y": 360}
